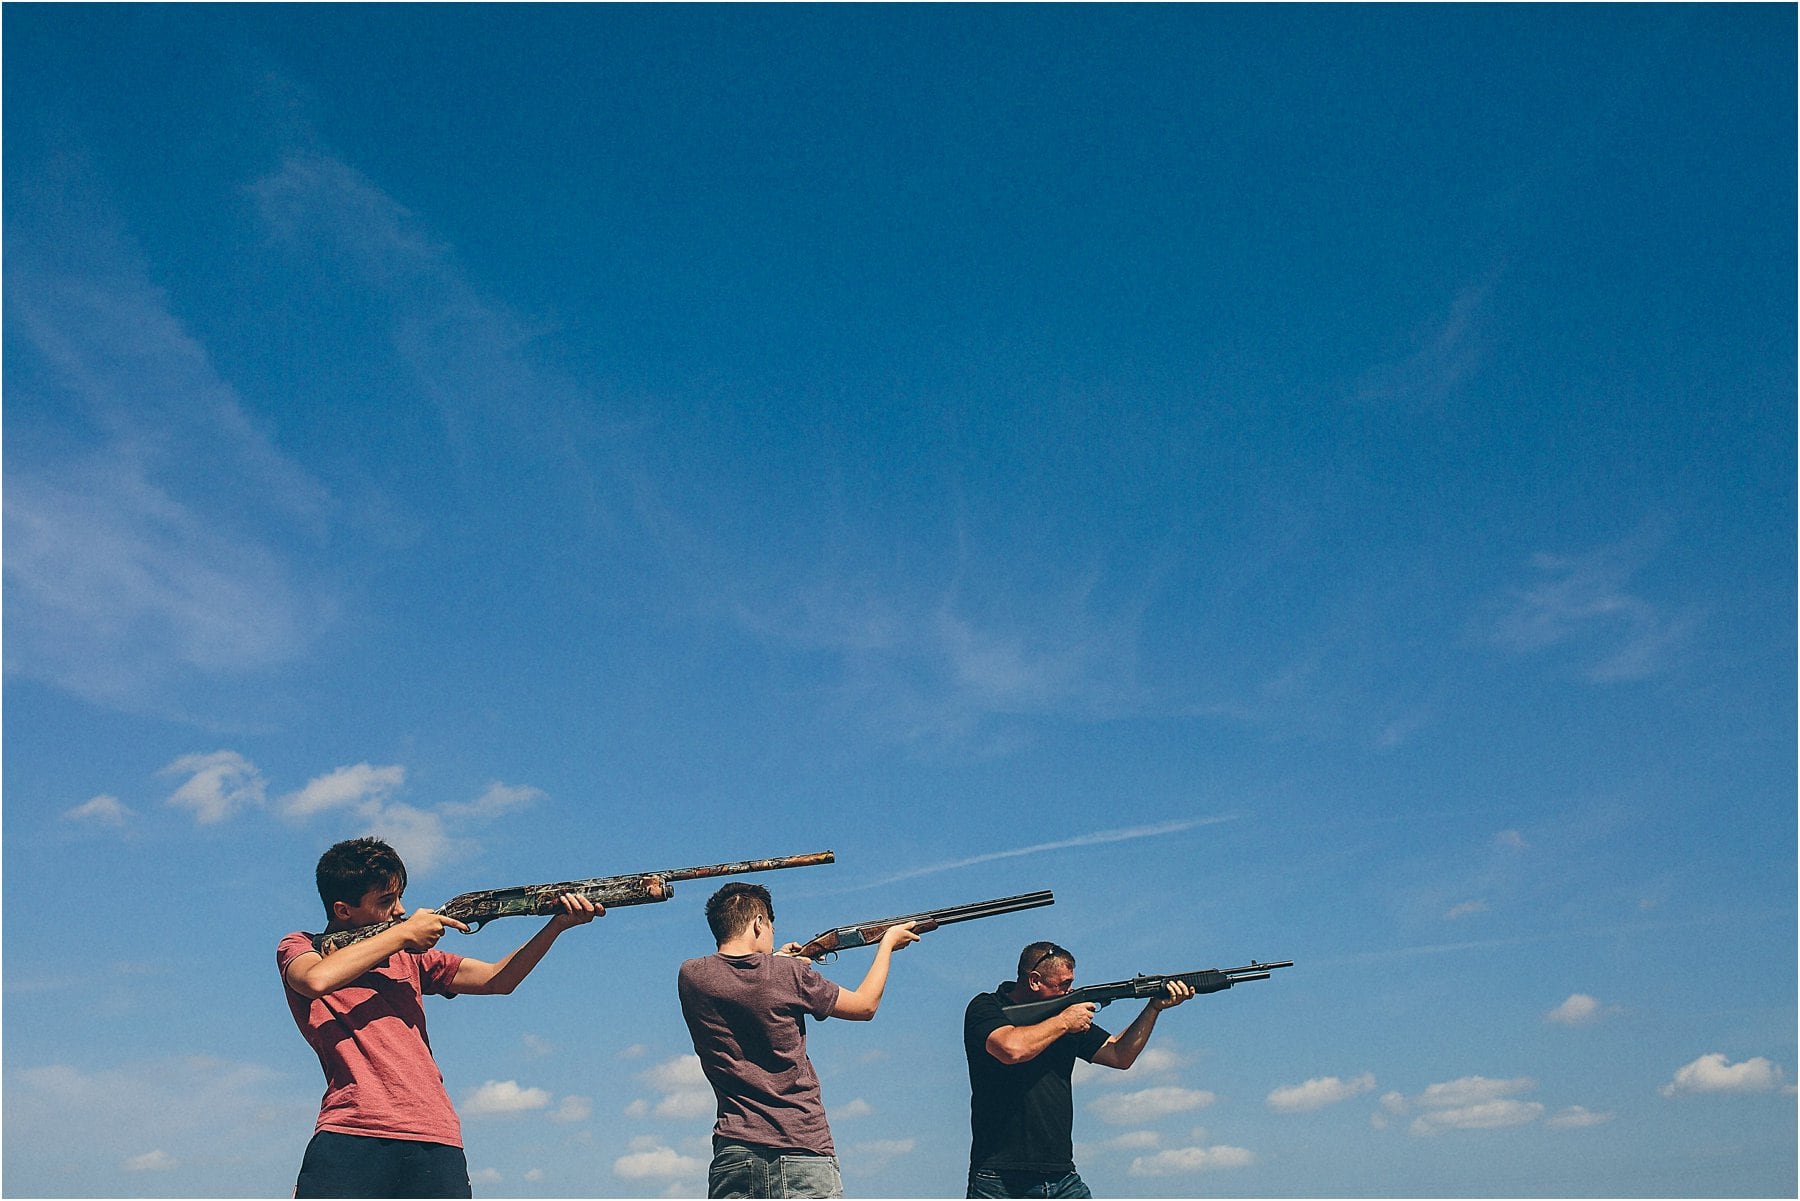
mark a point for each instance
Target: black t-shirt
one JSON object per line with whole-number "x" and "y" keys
{"x": 1022, "y": 1115}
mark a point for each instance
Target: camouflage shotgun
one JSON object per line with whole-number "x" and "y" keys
{"x": 476, "y": 909}
{"x": 869, "y": 933}
{"x": 1148, "y": 988}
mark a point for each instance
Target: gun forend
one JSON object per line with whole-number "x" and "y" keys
{"x": 864, "y": 934}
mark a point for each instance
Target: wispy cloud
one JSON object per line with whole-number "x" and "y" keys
{"x": 1443, "y": 355}
{"x": 151, "y": 1161}
{"x": 970, "y": 663}
{"x": 156, "y": 534}
{"x": 1577, "y": 1117}
{"x": 1148, "y": 1104}
{"x": 102, "y": 810}
{"x": 1097, "y": 838}
{"x": 219, "y": 785}
{"x": 1587, "y": 601}
{"x": 466, "y": 353}
{"x": 345, "y": 787}
{"x": 169, "y": 1116}
{"x": 1318, "y": 1092}
{"x": 224, "y": 784}
{"x": 422, "y": 835}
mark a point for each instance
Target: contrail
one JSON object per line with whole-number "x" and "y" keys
{"x": 1080, "y": 840}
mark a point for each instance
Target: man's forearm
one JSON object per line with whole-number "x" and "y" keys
{"x": 1128, "y": 1044}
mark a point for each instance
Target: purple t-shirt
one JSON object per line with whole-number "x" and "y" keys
{"x": 747, "y": 1016}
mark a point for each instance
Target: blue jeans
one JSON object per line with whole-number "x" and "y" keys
{"x": 740, "y": 1170}
{"x": 992, "y": 1182}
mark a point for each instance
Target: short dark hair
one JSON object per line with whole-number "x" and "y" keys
{"x": 350, "y": 869}
{"x": 1040, "y": 953}
{"x": 731, "y": 910}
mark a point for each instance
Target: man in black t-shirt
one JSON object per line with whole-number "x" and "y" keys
{"x": 1021, "y": 1108}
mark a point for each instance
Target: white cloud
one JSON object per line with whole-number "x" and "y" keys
{"x": 574, "y": 1109}
{"x": 534, "y": 1174}
{"x": 1487, "y": 1115}
{"x": 503, "y": 1097}
{"x": 359, "y": 785}
{"x": 1318, "y": 1092}
{"x": 1512, "y": 840}
{"x": 1148, "y": 1104}
{"x": 1134, "y": 1140}
{"x": 151, "y": 1161}
{"x": 417, "y": 834}
{"x": 1466, "y": 909}
{"x": 1578, "y": 1010}
{"x": 1576, "y": 1117}
{"x": 497, "y": 800}
{"x": 536, "y": 1046}
{"x": 1155, "y": 1060}
{"x": 1181, "y": 1161}
{"x": 485, "y": 1176}
{"x": 857, "y": 1108}
{"x": 101, "y": 810}
{"x": 1715, "y": 1074}
{"x": 218, "y": 785}
{"x": 650, "y": 1160}
{"x": 685, "y": 1091}
{"x": 1473, "y": 1090}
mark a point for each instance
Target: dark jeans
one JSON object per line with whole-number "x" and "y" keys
{"x": 355, "y": 1165}
{"x": 740, "y": 1170}
{"x": 989, "y": 1182}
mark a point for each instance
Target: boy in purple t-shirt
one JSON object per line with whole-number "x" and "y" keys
{"x": 746, "y": 1008}
{"x": 386, "y": 1127}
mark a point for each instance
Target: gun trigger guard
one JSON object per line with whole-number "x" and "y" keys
{"x": 828, "y": 957}
{"x": 474, "y": 926}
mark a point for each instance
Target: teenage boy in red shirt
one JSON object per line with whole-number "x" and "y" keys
{"x": 386, "y": 1127}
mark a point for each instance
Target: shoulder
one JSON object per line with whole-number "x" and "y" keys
{"x": 983, "y": 1001}
{"x": 983, "y": 1015}
{"x": 292, "y": 946}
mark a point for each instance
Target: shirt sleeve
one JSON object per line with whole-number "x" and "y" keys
{"x": 291, "y": 948}
{"x": 437, "y": 971}
{"x": 1089, "y": 1042}
{"x": 818, "y": 995}
{"x": 982, "y": 1018}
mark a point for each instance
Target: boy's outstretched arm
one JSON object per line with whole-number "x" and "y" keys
{"x": 860, "y": 1004}
{"x": 497, "y": 979}
{"x": 314, "y": 975}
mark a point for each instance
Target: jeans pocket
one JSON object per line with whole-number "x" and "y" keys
{"x": 810, "y": 1176}
{"x": 736, "y": 1174}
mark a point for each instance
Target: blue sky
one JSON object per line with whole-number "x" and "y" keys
{"x": 1301, "y": 482}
